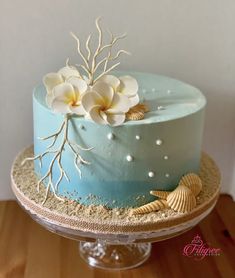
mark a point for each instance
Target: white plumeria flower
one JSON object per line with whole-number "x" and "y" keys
{"x": 66, "y": 97}
{"x": 53, "y": 79}
{"x": 104, "y": 106}
{"x": 125, "y": 85}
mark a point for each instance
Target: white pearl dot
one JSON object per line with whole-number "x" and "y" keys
{"x": 160, "y": 108}
{"x": 163, "y": 215}
{"x": 159, "y": 142}
{"x": 166, "y": 157}
{"x": 153, "y": 90}
{"x": 144, "y": 91}
{"x": 110, "y": 136}
{"x": 137, "y": 137}
{"x": 129, "y": 158}
{"x": 169, "y": 91}
{"x": 167, "y": 175}
{"x": 151, "y": 174}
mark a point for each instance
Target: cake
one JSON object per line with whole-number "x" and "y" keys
{"x": 120, "y": 139}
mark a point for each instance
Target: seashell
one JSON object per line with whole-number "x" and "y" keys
{"x": 137, "y": 112}
{"x": 181, "y": 199}
{"x": 193, "y": 182}
{"x": 141, "y": 107}
{"x": 160, "y": 193}
{"x": 135, "y": 115}
{"x": 150, "y": 207}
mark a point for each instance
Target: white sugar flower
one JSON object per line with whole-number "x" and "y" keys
{"x": 104, "y": 106}
{"x": 53, "y": 79}
{"x": 125, "y": 85}
{"x": 66, "y": 97}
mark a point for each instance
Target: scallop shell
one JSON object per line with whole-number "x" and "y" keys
{"x": 135, "y": 115}
{"x": 181, "y": 199}
{"x": 193, "y": 182}
{"x": 141, "y": 107}
{"x": 150, "y": 207}
{"x": 160, "y": 193}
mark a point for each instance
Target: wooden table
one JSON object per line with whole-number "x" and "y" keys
{"x": 28, "y": 250}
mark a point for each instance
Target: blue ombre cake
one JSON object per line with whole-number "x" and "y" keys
{"x": 129, "y": 160}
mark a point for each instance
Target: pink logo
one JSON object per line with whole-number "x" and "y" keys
{"x": 199, "y": 250}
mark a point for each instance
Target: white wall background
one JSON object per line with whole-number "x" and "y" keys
{"x": 186, "y": 39}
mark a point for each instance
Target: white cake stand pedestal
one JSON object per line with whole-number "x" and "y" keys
{"x": 114, "y": 246}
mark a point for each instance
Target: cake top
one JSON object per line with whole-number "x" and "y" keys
{"x": 89, "y": 90}
{"x": 166, "y": 98}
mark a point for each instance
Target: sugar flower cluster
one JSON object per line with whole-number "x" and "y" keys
{"x": 105, "y": 102}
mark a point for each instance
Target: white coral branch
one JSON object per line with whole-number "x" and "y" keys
{"x": 57, "y": 158}
{"x": 91, "y": 65}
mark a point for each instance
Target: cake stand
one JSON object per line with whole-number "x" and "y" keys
{"x": 115, "y": 245}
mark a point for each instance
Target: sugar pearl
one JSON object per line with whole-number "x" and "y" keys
{"x": 129, "y": 158}
{"x": 137, "y": 137}
{"x": 165, "y": 157}
{"x": 167, "y": 175}
{"x": 110, "y": 136}
{"x": 159, "y": 142}
{"x": 151, "y": 174}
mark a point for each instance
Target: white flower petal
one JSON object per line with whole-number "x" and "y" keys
{"x": 78, "y": 109}
{"x": 111, "y": 80}
{"x": 79, "y": 85}
{"x": 116, "y": 119}
{"x": 105, "y": 91}
{"x": 51, "y": 80}
{"x": 64, "y": 92}
{"x": 68, "y": 72}
{"x": 59, "y": 106}
{"x": 120, "y": 104}
{"x": 95, "y": 115}
{"x": 91, "y": 99}
{"x": 134, "y": 100}
{"x": 128, "y": 85}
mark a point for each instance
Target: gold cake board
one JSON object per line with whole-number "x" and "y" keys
{"x": 177, "y": 224}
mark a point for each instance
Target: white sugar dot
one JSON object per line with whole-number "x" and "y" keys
{"x": 110, "y": 136}
{"x": 163, "y": 215}
{"x": 144, "y": 91}
{"x": 82, "y": 127}
{"x": 166, "y": 157}
{"x": 167, "y": 175}
{"x": 151, "y": 174}
{"x": 129, "y": 158}
{"x": 137, "y": 137}
{"x": 160, "y": 108}
{"x": 159, "y": 142}
{"x": 169, "y": 91}
{"x": 153, "y": 89}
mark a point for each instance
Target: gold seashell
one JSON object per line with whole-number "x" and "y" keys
{"x": 135, "y": 115}
{"x": 181, "y": 199}
{"x": 160, "y": 193}
{"x": 150, "y": 207}
{"x": 193, "y": 182}
{"x": 141, "y": 107}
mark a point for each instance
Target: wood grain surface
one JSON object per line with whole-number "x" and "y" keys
{"x": 28, "y": 250}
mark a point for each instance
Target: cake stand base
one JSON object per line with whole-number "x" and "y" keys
{"x": 114, "y": 257}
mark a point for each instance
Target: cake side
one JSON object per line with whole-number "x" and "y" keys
{"x": 130, "y": 160}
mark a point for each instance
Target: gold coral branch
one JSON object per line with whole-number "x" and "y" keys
{"x": 91, "y": 65}
{"x": 57, "y": 157}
